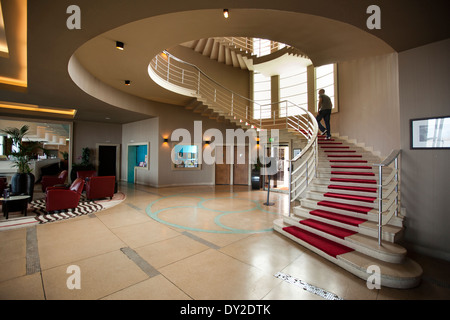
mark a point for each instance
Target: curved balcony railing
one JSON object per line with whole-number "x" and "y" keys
{"x": 254, "y": 46}
{"x": 185, "y": 78}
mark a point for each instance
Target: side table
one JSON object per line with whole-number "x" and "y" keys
{"x": 14, "y": 203}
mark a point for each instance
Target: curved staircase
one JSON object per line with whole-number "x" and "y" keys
{"x": 334, "y": 181}
{"x": 338, "y": 217}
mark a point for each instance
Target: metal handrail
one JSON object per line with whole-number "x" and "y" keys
{"x": 248, "y": 45}
{"x": 302, "y": 168}
{"x": 392, "y": 209}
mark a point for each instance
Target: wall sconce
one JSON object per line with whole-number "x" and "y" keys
{"x": 127, "y": 82}
{"x": 207, "y": 142}
{"x": 120, "y": 45}
{"x": 166, "y": 140}
{"x": 226, "y": 14}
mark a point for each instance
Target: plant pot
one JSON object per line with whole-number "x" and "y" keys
{"x": 256, "y": 179}
{"x": 23, "y": 183}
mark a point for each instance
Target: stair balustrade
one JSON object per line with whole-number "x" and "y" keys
{"x": 189, "y": 79}
{"x": 392, "y": 180}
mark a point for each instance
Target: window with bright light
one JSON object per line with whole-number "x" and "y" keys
{"x": 294, "y": 88}
{"x": 261, "y": 96}
{"x": 261, "y": 47}
{"x": 325, "y": 79}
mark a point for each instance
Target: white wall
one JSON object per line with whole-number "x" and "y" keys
{"x": 424, "y": 75}
{"x": 369, "y": 103}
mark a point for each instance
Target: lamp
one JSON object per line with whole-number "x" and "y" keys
{"x": 120, "y": 45}
{"x": 226, "y": 13}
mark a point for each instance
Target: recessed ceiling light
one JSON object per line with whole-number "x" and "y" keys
{"x": 120, "y": 45}
{"x": 226, "y": 14}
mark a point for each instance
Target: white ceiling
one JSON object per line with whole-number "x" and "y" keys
{"x": 326, "y": 30}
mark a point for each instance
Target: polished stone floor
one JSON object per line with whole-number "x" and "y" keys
{"x": 182, "y": 243}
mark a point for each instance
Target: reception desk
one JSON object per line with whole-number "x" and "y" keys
{"x": 7, "y": 168}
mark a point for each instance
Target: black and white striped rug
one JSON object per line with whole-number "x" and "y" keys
{"x": 84, "y": 207}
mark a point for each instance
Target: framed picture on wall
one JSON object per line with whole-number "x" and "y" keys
{"x": 430, "y": 133}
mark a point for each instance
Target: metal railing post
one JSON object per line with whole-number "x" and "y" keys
{"x": 290, "y": 188}
{"x": 168, "y": 68}
{"x": 396, "y": 185}
{"x": 380, "y": 204}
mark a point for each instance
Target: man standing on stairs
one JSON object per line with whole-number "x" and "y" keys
{"x": 324, "y": 108}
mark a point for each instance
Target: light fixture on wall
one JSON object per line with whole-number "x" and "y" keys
{"x": 207, "y": 142}
{"x": 120, "y": 45}
{"x": 166, "y": 140}
{"x": 127, "y": 82}
{"x": 226, "y": 14}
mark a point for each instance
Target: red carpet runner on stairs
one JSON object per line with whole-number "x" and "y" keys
{"x": 334, "y": 151}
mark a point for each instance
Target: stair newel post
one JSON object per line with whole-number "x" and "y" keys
{"x": 380, "y": 203}
{"x": 290, "y": 187}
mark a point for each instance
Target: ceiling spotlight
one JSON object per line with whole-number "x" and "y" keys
{"x": 127, "y": 82}
{"x": 226, "y": 13}
{"x": 119, "y": 45}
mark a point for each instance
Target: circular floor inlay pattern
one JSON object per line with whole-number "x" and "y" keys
{"x": 228, "y": 214}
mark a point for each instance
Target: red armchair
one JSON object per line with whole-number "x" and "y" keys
{"x": 60, "y": 198}
{"x": 50, "y": 181}
{"x": 100, "y": 187}
{"x": 86, "y": 175}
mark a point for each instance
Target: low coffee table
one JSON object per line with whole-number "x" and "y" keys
{"x": 15, "y": 203}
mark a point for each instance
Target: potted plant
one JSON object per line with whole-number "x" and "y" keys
{"x": 22, "y": 182}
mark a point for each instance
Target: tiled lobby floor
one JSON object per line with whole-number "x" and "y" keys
{"x": 200, "y": 243}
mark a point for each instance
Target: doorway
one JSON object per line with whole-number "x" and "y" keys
{"x": 223, "y": 170}
{"x": 108, "y": 160}
{"x": 240, "y": 166}
{"x": 280, "y": 181}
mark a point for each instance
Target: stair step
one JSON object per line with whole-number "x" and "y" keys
{"x": 366, "y": 181}
{"x": 329, "y": 247}
{"x": 350, "y": 197}
{"x": 337, "y": 217}
{"x": 349, "y": 161}
{"x": 353, "y": 173}
{"x": 343, "y": 206}
{"x": 350, "y": 167}
{"x": 344, "y": 156}
{"x": 328, "y": 228}
{"x": 351, "y": 188}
